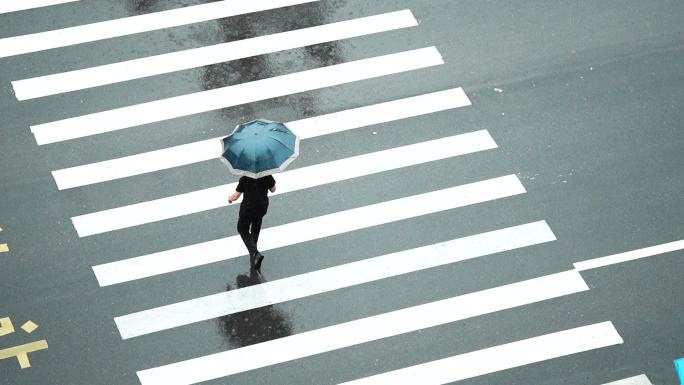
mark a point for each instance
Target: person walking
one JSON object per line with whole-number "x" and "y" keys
{"x": 253, "y": 208}
{"x": 255, "y": 151}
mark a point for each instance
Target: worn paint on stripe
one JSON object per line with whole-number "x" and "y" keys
{"x": 175, "y": 107}
{"x": 502, "y": 357}
{"x": 7, "y": 6}
{"x": 638, "y": 380}
{"x": 198, "y": 57}
{"x": 630, "y": 255}
{"x": 306, "y": 128}
{"x": 64, "y": 37}
{"x": 365, "y": 330}
{"x": 289, "y": 181}
{"x": 333, "y": 278}
{"x": 309, "y": 229}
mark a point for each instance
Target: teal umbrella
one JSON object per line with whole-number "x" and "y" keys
{"x": 259, "y": 148}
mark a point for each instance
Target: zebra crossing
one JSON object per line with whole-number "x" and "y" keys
{"x": 306, "y": 177}
{"x": 80, "y": 34}
{"x": 505, "y": 356}
{"x": 365, "y": 330}
{"x": 192, "y": 58}
{"x": 204, "y": 101}
{"x": 308, "y": 229}
{"x": 333, "y": 278}
{"x": 306, "y": 344}
{"x": 307, "y": 128}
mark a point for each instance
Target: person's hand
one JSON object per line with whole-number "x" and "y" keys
{"x": 233, "y": 197}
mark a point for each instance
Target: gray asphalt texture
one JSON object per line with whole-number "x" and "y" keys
{"x": 590, "y": 117}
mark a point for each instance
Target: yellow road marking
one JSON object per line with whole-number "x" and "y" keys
{"x": 3, "y": 248}
{"x": 29, "y": 326}
{"x": 6, "y": 326}
{"x": 24, "y": 361}
{"x": 22, "y": 351}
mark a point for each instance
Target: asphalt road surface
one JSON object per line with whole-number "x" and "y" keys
{"x": 465, "y": 167}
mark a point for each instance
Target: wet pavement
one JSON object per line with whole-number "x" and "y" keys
{"x": 584, "y": 101}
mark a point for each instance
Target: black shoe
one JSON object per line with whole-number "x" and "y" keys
{"x": 258, "y": 259}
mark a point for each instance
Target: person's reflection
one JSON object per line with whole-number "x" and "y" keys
{"x": 256, "y": 325}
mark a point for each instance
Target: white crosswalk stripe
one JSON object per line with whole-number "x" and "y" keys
{"x": 370, "y": 329}
{"x": 192, "y": 58}
{"x": 309, "y": 229}
{"x": 333, "y": 278}
{"x": 179, "y": 106}
{"x": 630, "y": 255}
{"x": 17, "y": 45}
{"x": 501, "y": 357}
{"x": 306, "y": 128}
{"x": 7, "y": 6}
{"x": 637, "y": 380}
{"x": 294, "y": 180}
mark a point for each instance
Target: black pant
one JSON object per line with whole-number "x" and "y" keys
{"x": 249, "y": 227}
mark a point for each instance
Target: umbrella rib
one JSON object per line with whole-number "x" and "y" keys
{"x": 256, "y": 159}
{"x": 281, "y": 143}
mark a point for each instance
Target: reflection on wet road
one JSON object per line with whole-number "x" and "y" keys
{"x": 253, "y": 326}
{"x": 266, "y": 66}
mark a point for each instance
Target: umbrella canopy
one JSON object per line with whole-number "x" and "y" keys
{"x": 259, "y": 148}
